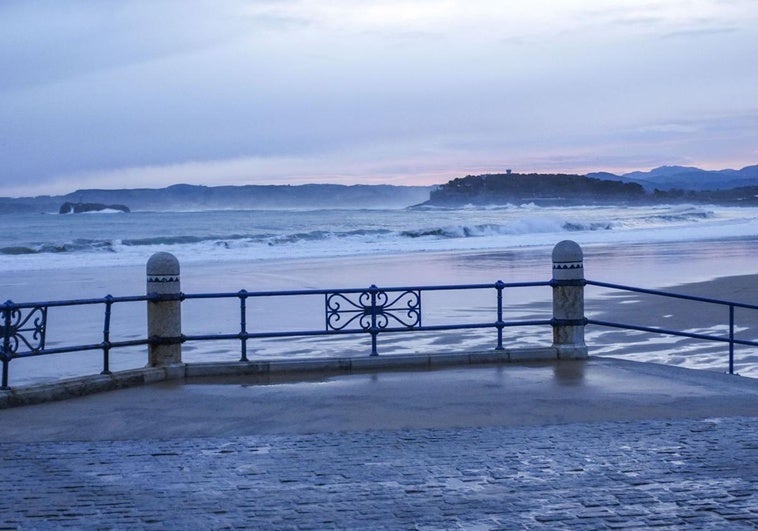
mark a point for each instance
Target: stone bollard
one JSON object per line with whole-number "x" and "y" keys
{"x": 164, "y": 316}
{"x": 568, "y": 300}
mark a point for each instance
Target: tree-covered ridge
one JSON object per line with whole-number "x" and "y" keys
{"x": 549, "y": 188}
{"x": 539, "y": 187}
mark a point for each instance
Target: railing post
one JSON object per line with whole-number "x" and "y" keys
{"x": 164, "y": 317}
{"x": 499, "y": 324}
{"x": 243, "y": 324}
{"x": 374, "y": 330}
{"x": 568, "y": 300}
{"x": 731, "y": 339}
{"x": 6, "y": 349}
{"x": 107, "y": 335}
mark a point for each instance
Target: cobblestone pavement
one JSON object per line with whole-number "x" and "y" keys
{"x": 691, "y": 474}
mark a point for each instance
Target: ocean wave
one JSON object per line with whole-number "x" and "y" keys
{"x": 17, "y": 250}
{"x": 519, "y": 227}
{"x": 322, "y": 235}
{"x": 315, "y": 235}
{"x": 527, "y": 226}
{"x": 579, "y": 227}
{"x": 184, "y": 240}
{"x": 226, "y": 241}
{"x": 470, "y": 207}
{"x": 683, "y": 216}
{"x": 74, "y": 246}
{"x": 33, "y": 241}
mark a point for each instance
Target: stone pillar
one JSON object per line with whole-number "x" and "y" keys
{"x": 568, "y": 300}
{"x": 164, "y": 316}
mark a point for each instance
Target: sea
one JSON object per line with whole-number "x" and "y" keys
{"x": 49, "y": 256}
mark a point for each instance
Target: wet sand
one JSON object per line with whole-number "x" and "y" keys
{"x": 683, "y": 315}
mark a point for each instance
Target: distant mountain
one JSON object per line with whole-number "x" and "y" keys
{"x": 662, "y": 184}
{"x": 192, "y": 197}
{"x": 687, "y": 178}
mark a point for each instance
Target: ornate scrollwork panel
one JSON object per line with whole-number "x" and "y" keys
{"x": 373, "y": 308}
{"x": 20, "y": 327}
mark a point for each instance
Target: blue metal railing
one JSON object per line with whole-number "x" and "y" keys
{"x": 372, "y": 311}
{"x": 730, "y": 339}
{"x": 24, "y": 331}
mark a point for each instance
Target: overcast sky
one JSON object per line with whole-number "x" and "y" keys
{"x": 118, "y": 94}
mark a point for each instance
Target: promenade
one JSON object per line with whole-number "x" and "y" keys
{"x": 578, "y": 444}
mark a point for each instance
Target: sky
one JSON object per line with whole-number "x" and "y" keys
{"x": 128, "y": 94}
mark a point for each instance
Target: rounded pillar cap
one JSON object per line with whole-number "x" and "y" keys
{"x": 162, "y": 264}
{"x": 567, "y": 251}
{"x": 568, "y": 261}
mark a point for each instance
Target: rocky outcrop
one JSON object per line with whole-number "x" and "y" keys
{"x": 79, "y": 208}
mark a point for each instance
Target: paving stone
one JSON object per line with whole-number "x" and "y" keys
{"x": 683, "y": 474}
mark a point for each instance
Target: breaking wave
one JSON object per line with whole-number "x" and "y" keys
{"x": 520, "y": 227}
{"x": 77, "y": 241}
{"x": 684, "y": 214}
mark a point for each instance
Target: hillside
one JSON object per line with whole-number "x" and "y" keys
{"x": 687, "y": 178}
{"x": 191, "y": 197}
{"x": 533, "y": 187}
{"x": 561, "y": 189}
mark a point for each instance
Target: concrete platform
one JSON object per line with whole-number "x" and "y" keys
{"x": 590, "y": 444}
{"x": 600, "y": 389}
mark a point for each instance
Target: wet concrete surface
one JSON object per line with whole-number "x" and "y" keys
{"x": 597, "y": 390}
{"x": 601, "y": 444}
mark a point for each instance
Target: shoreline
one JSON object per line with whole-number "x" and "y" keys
{"x": 652, "y": 265}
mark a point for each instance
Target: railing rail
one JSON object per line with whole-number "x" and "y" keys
{"x": 670, "y": 294}
{"x": 372, "y": 310}
{"x": 731, "y": 305}
{"x": 25, "y": 325}
{"x": 349, "y": 311}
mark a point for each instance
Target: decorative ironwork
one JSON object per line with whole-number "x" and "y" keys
{"x": 18, "y": 328}
{"x": 373, "y": 309}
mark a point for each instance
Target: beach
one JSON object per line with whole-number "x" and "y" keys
{"x": 682, "y": 315}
